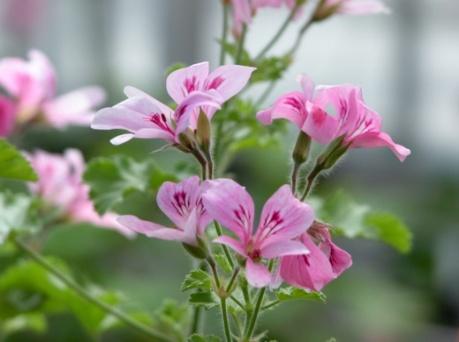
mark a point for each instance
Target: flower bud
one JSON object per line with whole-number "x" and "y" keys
{"x": 199, "y": 251}
{"x": 186, "y": 141}
{"x": 301, "y": 149}
{"x": 203, "y": 131}
{"x": 333, "y": 153}
{"x": 325, "y": 10}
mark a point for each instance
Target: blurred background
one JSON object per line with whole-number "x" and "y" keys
{"x": 407, "y": 64}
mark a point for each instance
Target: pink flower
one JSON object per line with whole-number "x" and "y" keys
{"x": 192, "y": 88}
{"x": 7, "y": 116}
{"x": 33, "y": 84}
{"x": 324, "y": 263}
{"x": 60, "y": 185}
{"x": 182, "y": 204}
{"x": 355, "y": 122}
{"x": 352, "y": 7}
{"x": 283, "y": 219}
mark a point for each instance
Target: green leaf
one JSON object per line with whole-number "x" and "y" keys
{"x": 271, "y": 68}
{"x": 353, "y": 220}
{"x": 197, "y": 279}
{"x": 204, "y": 338}
{"x": 390, "y": 229}
{"x": 18, "y": 213}
{"x": 13, "y": 165}
{"x": 172, "y": 319}
{"x": 113, "y": 179}
{"x": 35, "y": 322}
{"x": 206, "y": 299}
{"x": 292, "y": 293}
{"x": 232, "y": 50}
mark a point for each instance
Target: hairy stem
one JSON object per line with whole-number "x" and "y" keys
{"x": 240, "y": 47}
{"x": 294, "y": 177}
{"x": 79, "y": 290}
{"x": 310, "y": 180}
{"x": 253, "y": 319}
{"x": 225, "y": 249}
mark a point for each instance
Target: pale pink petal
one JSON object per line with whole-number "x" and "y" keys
{"x": 308, "y": 86}
{"x": 177, "y": 200}
{"x": 311, "y": 272}
{"x": 121, "y": 139}
{"x": 232, "y": 243}
{"x": 76, "y": 107}
{"x": 150, "y": 229}
{"x": 182, "y": 82}
{"x": 282, "y": 248}
{"x": 130, "y": 91}
{"x": 184, "y": 111}
{"x": 231, "y": 205}
{"x": 362, "y": 7}
{"x": 290, "y": 106}
{"x": 242, "y": 14}
{"x": 7, "y": 116}
{"x": 228, "y": 80}
{"x": 257, "y": 274}
{"x": 283, "y": 217}
{"x": 381, "y": 139}
{"x": 191, "y": 228}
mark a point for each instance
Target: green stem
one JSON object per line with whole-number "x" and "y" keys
{"x": 310, "y": 180}
{"x": 240, "y": 47}
{"x": 196, "y": 320}
{"x": 226, "y": 326}
{"x": 294, "y": 177}
{"x": 225, "y": 249}
{"x": 134, "y": 324}
{"x": 270, "y": 305}
{"x": 253, "y": 319}
{"x": 224, "y": 32}
{"x": 229, "y": 287}
{"x": 238, "y": 303}
{"x": 278, "y": 34}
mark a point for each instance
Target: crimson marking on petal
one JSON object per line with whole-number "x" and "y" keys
{"x": 160, "y": 120}
{"x": 242, "y": 216}
{"x": 215, "y": 83}
{"x": 191, "y": 84}
{"x": 181, "y": 203}
{"x": 295, "y": 103}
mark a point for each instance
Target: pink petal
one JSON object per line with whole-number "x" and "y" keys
{"x": 232, "y": 243}
{"x": 381, "y": 139}
{"x": 130, "y": 91}
{"x": 282, "y": 248}
{"x": 182, "y": 82}
{"x": 257, "y": 274}
{"x": 362, "y": 7}
{"x": 185, "y": 109}
{"x": 228, "y": 80}
{"x": 319, "y": 125}
{"x": 231, "y": 205}
{"x": 150, "y": 229}
{"x": 283, "y": 217}
{"x": 75, "y": 107}
{"x": 307, "y": 84}
{"x": 7, "y": 116}
{"x": 177, "y": 200}
{"x": 290, "y": 106}
{"x": 311, "y": 272}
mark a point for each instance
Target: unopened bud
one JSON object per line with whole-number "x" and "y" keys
{"x": 186, "y": 141}
{"x": 301, "y": 150}
{"x": 333, "y": 153}
{"x": 199, "y": 251}
{"x": 325, "y": 10}
{"x": 203, "y": 131}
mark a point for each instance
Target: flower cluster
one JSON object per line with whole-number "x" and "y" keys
{"x": 287, "y": 231}
{"x": 31, "y": 89}
{"x": 61, "y": 186}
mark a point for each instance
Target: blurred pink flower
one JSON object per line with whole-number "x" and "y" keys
{"x": 33, "y": 85}
{"x": 7, "y": 116}
{"x": 329, "y": 112}
{"x": 182, "y": 204}
{"x": 60, "y": 184}
{"x": 192, "y": 88}
{"x": 283, "y": 219}
{"x": 324, "y": 263}
{"x": 351, "y": 7}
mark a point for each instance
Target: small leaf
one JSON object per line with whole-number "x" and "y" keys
{"x": 202, "y": 338}
{"x": 292, "y": 293}
{"x": 206, "y": 299}
{"x": 19, "y": 213}
{"x": 13, "y": 165}
{"x": 353, "y": 220}
{"x": 271, "y": 68}
{"x": 197, "y": 279}
{"x": 113, "y": 179}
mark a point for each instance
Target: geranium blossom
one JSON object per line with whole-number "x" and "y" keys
{"x": 324, "y": 263}
{"x": 7, "y": 116}
{"x": 282, "y": 219}
{"x": 182, "y": 204}
{"x": 60, "y": 185}
{"x": 32, "y": 84}
{"x": 193, "y": 88}
{"x": 330, "y": 112}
